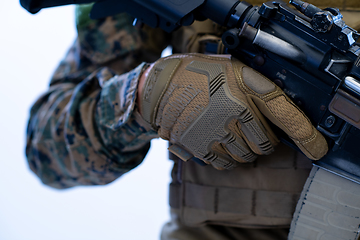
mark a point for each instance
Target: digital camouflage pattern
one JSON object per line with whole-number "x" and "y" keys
{"x": 104, "y": 40}
{"x": 114, "y": 37}
{"x": 85, "y": 129}
{"x": 79, "y": 135}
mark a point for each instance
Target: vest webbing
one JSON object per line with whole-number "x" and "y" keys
{"x": 254, "y": 195}
{"x": 235, "y": 200}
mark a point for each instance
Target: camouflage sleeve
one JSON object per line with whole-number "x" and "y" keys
{"x": 85, "y": 130}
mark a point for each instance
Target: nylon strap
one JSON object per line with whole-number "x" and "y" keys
{"x": 234, "y": 200}
{"x": 329, "y": 208}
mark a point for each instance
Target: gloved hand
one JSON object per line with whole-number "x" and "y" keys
{"x": 213, "y": 108}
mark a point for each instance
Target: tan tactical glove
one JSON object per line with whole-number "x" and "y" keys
{"x": 213, "y": 107}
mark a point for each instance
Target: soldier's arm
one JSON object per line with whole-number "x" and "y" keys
{"x": 85, "y": 130}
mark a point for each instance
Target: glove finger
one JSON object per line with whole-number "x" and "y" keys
{"x": 279, "y": 109}
{"x": 237, "y": 148}
{"x": 219, "y": 157}
{"x": 255, "y": 134}
{"x": 287, "y": 116}
{"x": 249, "y": 129}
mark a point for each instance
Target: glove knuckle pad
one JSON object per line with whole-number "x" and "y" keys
{"x": 211, "y": 125}
{"x": 238, "y": 149}
{"x": 254, "y": 133}
{"x": 256, "y": 81}
{"x": 197, "y": 122}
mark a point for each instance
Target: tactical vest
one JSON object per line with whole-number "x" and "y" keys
{"x": 260, "y": 194}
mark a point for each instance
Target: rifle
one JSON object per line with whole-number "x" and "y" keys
{"x": 308, "y": 52}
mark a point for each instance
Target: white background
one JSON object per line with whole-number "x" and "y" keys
{"x": 133, "y": 207}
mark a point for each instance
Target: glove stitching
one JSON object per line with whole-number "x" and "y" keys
{"x": 162, "y": 95}
{"x": 312, "y": 137}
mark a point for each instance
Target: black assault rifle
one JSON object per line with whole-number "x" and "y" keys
{"x": 309, "y": 52}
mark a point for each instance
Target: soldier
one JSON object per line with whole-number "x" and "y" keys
{"x": 105, "y": 104}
